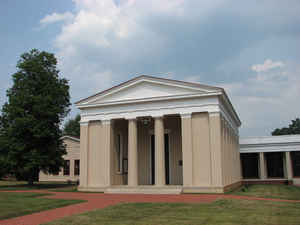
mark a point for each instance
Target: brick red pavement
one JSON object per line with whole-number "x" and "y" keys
{"x": 98, "y": 201}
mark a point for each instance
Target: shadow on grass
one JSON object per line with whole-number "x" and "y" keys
{"x": 22, "y": 185}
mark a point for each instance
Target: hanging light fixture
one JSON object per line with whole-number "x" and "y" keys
{"x": 145, "y": 120}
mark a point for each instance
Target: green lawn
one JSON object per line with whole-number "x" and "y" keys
{"x": 221, "y": 212}
{"x": 18, "y": 204}
{"x": 280, "y": 191}
{"x": 51, "y": 186}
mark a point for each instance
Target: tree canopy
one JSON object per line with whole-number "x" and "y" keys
{"x": 37, "y": 103}
{"x": 293, "y": 128}
{"x": 72, "y": 127}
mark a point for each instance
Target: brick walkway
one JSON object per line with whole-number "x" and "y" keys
{"x": 98, "y": 201}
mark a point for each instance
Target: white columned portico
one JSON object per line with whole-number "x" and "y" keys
{"x": 132, "y": 153}
{"x": 187, "y": 149}
{"x": 160, "y": 175}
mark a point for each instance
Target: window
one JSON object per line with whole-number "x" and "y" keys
{"x": 77, "y": 167}
{"x": 67, "y": 168}
{"x": 119, "y": 151}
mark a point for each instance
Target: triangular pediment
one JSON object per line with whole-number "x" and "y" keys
{"x": 147, "y": 88}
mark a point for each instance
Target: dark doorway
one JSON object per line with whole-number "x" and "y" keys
{"x": 152, "y": 159}
{"x": 274, "y": 164}
{"x": 295, "y": 157}
{"x": 167, "y": 163}
{"x": 250, "y": 165}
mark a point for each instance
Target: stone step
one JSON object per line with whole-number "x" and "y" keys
{"x": 144, "y": 190}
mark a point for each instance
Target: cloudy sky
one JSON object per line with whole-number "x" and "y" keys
{"x": 251, "y": 48}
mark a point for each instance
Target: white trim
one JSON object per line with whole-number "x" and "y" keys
{"x": 150, "y": 80}
{"x": 70, "y": 137}
{"x": 84, "y": 123}
{"x": 163, "y": 98}
{"x": 284, "y": 143}
{"x": 186, "y": 115}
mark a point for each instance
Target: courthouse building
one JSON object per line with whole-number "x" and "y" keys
{"x": 155, "y": 135}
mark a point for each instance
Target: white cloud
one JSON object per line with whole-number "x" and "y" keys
{"x": 56, "y": 17}
{"x": 268, "y": 65}
{"x": 103, "y": 43}
{"x": 265, "y": 104}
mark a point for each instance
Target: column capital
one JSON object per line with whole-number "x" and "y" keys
{"x": 84, "y": 123}
{"x": 106, "y": 122}
{"x": 211, "y": 114}
{"x": 186, "y": 115}
{"x": 158, "y": 116}
{"x": 131, "y": 118}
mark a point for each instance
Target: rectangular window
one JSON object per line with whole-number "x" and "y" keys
{"x": 77, "y": 167}
{"x": 67, "y": 168}
{"x": 119, "y": 151}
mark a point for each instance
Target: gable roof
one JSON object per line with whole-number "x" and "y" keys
{"x": 182, "y": 85}
{"x": 150, "y": 78}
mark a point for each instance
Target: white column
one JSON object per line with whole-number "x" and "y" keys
{"x": 132, "y": 153}
{"x": 84, "y": 151}
{"x": 187, "y": 149}
{"x": 262, "y": 166}
{"x": 108, "y": 150}
{"x": 288, "y": 166}
{"x": 160, "y": 173}
{"x": 216, "y": 149}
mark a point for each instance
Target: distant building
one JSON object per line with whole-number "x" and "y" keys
{"x": 274, "y": 159}
{"x": 71, "y": 169}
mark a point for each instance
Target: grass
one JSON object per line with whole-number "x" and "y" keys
{"x": 51, "y": 186}
{"x": 221, "y": 212}
{"x": 18, "y": 204}
{"x": 279, "y": 191}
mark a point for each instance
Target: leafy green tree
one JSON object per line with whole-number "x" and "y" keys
{"x": 293, "y": 128}
{"x": 72, "y": 127}
{"x": 37, "y": 103}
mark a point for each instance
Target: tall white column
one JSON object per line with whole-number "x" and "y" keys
{"x": 288, "y": 166}
{"x": 262, "y": 166}
{"x": 216, "y": 149}
{"x": 187, "y": 149}
{"x": 160, "y": 172}
{"x": 132, "y": 153}
{"x": 108, "y": 150}
{"x": 84, "y": 150}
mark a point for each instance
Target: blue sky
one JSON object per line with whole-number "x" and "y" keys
{"x": 251, "y": 48}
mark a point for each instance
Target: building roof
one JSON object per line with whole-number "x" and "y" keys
{"x": 71, "y": 138}
{"x": 196, "y": 87}
{"x": 281, "y": 143}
